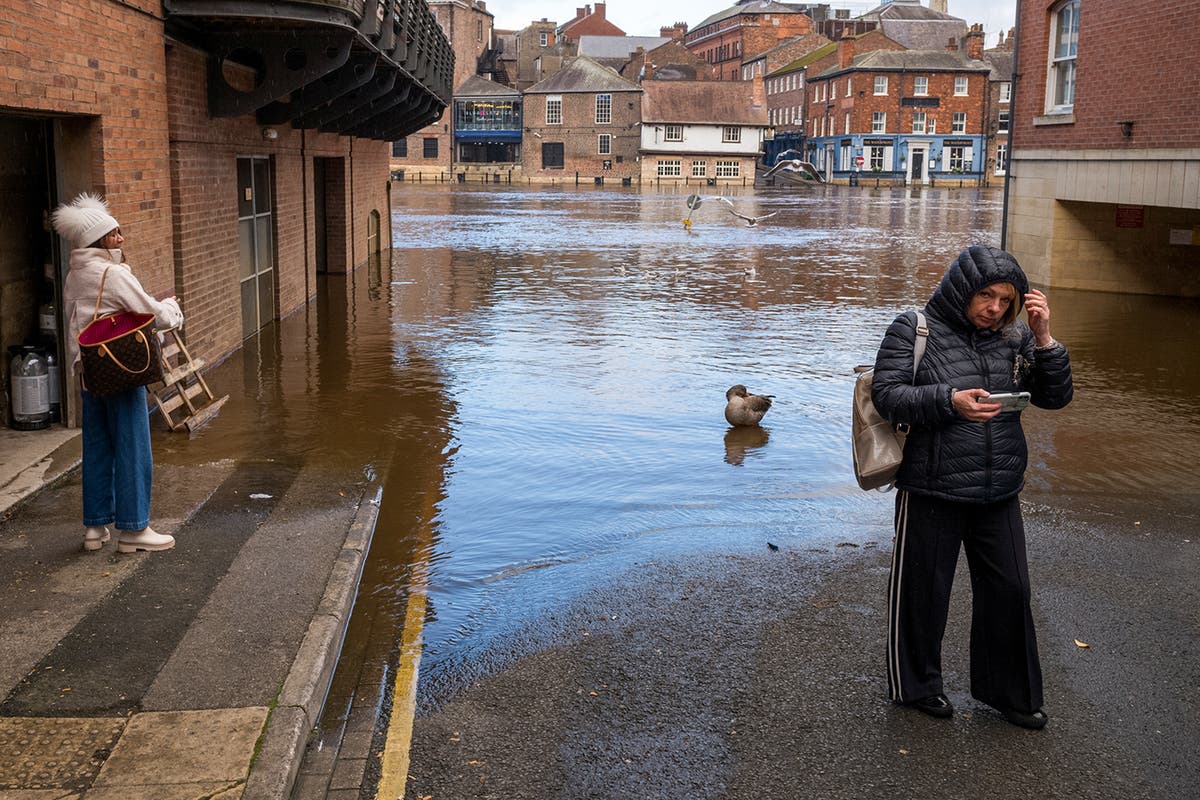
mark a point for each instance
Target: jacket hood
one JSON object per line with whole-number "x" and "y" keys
{"x": 976, "y": 267}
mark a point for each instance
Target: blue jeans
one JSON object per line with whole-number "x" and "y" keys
{"x": 118, "y": 466}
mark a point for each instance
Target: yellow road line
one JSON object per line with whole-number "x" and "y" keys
{"x": 404, "y": 697}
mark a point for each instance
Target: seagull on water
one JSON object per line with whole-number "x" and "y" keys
{"x": 750, "y": 221}
{"x": 744, "y": 408}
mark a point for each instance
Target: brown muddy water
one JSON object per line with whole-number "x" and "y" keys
{"x": 538, "y": 377}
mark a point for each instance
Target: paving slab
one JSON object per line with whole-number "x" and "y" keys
{"x": 185, "y": 748}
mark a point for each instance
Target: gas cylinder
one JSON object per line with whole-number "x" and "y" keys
{"x": 54, "y": 375}
{"x": 29, "y": 384}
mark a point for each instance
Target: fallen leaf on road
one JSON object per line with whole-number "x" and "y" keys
{"x": 593, "y": 694}
{"x": 1082, "y": 645}
{"x": 903, "y": 752}
{"x": 824, "y": 603}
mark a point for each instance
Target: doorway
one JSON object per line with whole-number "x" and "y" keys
{"x": 916, "y": 166}
{"x": 256, "y": 237}
{"x": 329, "y": 214}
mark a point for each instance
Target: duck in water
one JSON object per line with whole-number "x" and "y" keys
{"x": 744, "y": 408}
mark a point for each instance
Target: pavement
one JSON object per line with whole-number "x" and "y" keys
{"x": 758, "y": 673}
{"x": 193, "y": 673}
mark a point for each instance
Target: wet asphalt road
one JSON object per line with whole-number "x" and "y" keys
{"x": 760, "y": 675}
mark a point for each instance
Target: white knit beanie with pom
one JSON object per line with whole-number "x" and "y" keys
{"x": 84, "y": 221}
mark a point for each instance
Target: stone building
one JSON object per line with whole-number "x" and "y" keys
{"x": 244, "y": 155}
{"x": 582, "y": 125}
{"x": 1104, "y": 173}
{"x": 912, "y": 116}
{"x": 534, "y": 42}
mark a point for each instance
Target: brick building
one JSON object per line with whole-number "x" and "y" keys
{"x": 468, "y": 26}
{"x": 1000, "y": 59}
{"x": 588, "y": 22}
{"x": 726, "y": 38}
{"x": 235, "y": 187}
{"x": 701, "y": 132}
{"x": 582, "y": 125}
{"x": 781, "y": 54}
{"x": 784, "y": 88}
{"x": 787, "y": 90}
{"x": 1104, "y": 173}
{"x": 911, "y": 115}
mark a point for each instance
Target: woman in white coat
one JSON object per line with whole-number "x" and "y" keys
{"x": 118, "y": 466}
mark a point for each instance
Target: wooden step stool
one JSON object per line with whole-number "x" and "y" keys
{"x": 184, "y": 398}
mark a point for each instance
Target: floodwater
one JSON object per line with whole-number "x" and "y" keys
{"x": 538, "y": 377}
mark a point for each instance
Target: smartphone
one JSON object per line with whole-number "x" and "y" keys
{"x": 1009, "y": 401}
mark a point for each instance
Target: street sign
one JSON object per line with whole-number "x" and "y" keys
{"x": 694, "y": 201}
{"x": 858, "y": 161}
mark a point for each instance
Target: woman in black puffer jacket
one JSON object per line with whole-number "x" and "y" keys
{"x": 964, "y": 466}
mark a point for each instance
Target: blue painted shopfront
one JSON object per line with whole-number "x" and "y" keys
{"x": 912, "y": 158}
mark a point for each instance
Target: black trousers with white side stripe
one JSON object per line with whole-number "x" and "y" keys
{"x": 1005, "y": 672}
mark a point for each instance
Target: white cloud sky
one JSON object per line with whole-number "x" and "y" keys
{"x": 645, "y": 17}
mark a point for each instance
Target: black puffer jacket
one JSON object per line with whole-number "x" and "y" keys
{"x": 946, "y": 455}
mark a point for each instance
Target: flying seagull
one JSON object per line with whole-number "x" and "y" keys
{"x": 803, "y": 169}
{"x": 750, "y": 221}
{"x": 744, "y": 408}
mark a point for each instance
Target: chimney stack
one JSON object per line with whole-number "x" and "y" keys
{"x": 845, "y": 50}
{"x": 674, "y": 32}
{"x": 973, "y": 44}
{"x": 952, "y": 45}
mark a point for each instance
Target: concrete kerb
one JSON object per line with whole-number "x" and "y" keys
{"x": 304, "y": 690}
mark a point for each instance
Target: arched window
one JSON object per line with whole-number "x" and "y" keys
{"x": 1064, "y": 45}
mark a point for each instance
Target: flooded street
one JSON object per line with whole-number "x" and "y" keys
{"x": 538, "y": 378}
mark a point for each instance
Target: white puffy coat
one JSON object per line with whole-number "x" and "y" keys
{"x": 122, "y": 292}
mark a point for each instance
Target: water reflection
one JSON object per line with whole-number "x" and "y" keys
{"x": 741, "y": 440}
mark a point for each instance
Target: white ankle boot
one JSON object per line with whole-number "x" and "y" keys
{"x": 94, "y": 537}
{"x": 145, "y": 539}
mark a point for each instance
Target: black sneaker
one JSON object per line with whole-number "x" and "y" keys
{"x": 1035, "y": 720}
{"x": 936, "y": 705}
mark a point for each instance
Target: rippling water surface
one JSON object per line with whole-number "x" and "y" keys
{"x": 568, "y": 353}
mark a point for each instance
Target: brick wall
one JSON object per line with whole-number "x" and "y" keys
{"x": 105, "y": 61}
{"x": 1148, "y": 72}
{"x": 579, "y": 135}
{"x": 203, "y": 158}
